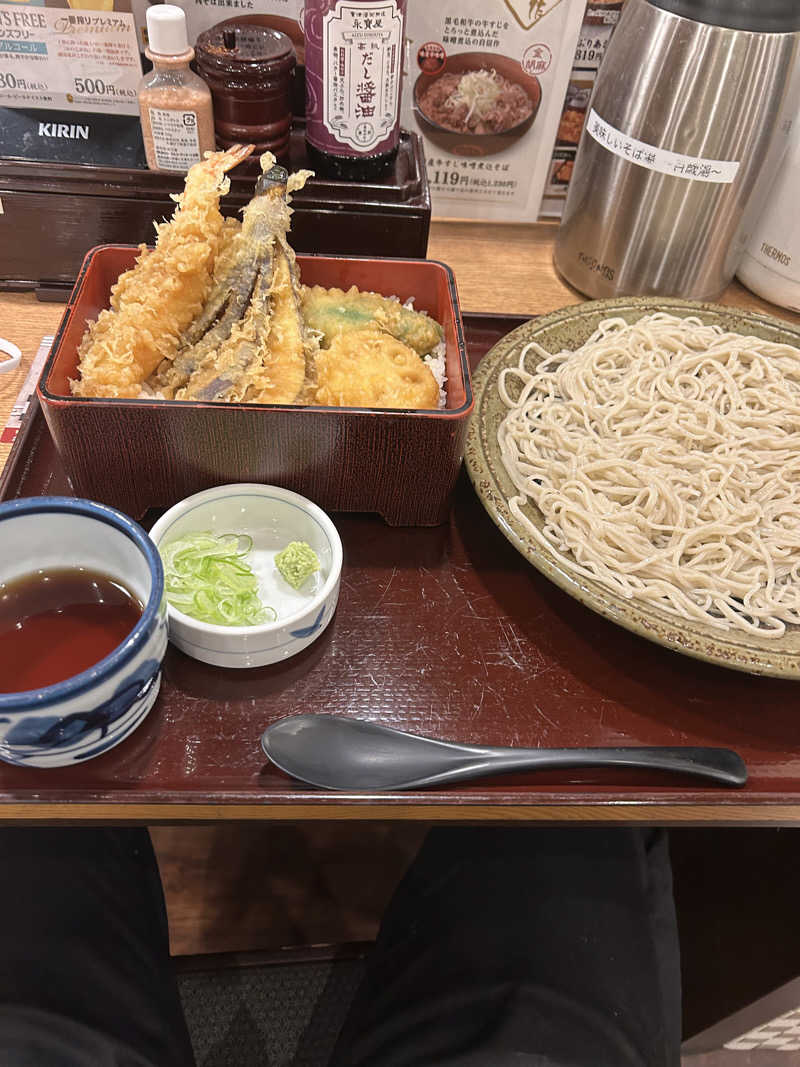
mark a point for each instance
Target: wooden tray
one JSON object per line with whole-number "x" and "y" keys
{"x": 446, "y": 631}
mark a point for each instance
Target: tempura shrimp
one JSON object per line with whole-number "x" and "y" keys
{"x": 153, "y": 303}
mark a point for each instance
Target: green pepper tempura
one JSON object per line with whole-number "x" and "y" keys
{"x": 297, "y": 562}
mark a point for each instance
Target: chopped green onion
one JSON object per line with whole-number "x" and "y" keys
{"x": 297, "y": 562}
{"x": 206, "y": 576}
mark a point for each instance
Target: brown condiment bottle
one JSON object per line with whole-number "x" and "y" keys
{"x": 248, "y": 68}
{"x": 174, "y": 103}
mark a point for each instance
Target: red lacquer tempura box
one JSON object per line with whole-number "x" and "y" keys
{"x": 141, "y": 454}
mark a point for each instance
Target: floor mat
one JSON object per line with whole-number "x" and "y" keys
{"x": 286, "y": 1015}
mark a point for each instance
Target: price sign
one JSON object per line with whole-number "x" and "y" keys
{"x": 68, "y": 59}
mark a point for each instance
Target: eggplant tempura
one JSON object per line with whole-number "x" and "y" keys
{"x": 249, "y": 337}
{"x": 240, "y": 326}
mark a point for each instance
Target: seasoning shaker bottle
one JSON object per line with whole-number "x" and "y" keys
{"x": 174, "y": 103}
{"x": 686, "y": 127}
{"x": 354, "y": 66}
{"x": 249, "y": 68}
{"x": 771, "y": 262}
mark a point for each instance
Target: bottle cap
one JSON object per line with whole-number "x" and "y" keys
{"x": 166, "y": 30}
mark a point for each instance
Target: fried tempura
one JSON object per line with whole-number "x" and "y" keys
{"x": 154, "y": 302}
{"x": 264, "y": 360}
{"x": 249, "y": 343}
{"x": 216, "y": 312}
{"x": 225, "y": 366}
{"x": 277, "y": 376}
{"x": 249, "y": 338}
{"x": 249, "y": 253}
{"x": 334, "y": 311}
{"x": 369, "y": 368}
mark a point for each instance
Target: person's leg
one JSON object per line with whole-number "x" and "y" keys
{"x": 85, "y": 974}
{"x": 527, "y": 947}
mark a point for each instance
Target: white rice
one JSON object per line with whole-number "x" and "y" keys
{"x": 435, "y": 360}
{"x": 438, "y": 368}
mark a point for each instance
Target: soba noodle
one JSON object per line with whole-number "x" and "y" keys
{"x": 664, "y": 456}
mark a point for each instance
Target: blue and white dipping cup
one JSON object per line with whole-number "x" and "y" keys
{"x": 89, "y": 713}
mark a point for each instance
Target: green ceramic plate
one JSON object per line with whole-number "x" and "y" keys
{"x": 569, "y": 328}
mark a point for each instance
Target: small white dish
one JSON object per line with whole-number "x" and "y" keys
{"x": 272, "y": 517}
{"x": 8, "y": 348}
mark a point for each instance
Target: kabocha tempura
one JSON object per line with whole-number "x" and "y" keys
{"x": 216, "y": 312}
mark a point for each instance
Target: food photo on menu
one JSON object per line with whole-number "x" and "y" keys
{"x": 485, "y": 90}
{"x": 400, "y": 424}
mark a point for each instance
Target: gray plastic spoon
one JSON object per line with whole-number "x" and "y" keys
{"x": 334, "y": 752}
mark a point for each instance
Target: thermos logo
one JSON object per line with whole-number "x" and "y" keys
{"x": 69, "y": 130}
{"x": 529, "y": 12}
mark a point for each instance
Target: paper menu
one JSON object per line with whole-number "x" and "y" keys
{"x": 488, "y": 139}
{"x": 81, "y": 57}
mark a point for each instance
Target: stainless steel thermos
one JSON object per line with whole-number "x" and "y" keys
{"x": 685, "y": 130}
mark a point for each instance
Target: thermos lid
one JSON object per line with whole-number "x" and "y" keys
{"x": 758, "y": 16}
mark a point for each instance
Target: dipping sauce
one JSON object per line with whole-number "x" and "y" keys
{"x": 57, "y": 623}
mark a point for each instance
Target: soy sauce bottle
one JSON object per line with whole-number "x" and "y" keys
{"x": 354, "y": 63}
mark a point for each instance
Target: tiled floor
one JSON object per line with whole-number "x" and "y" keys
{"x": 285, "y": 1015}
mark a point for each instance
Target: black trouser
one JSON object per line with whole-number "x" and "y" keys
{"x": 531, "y": 947}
